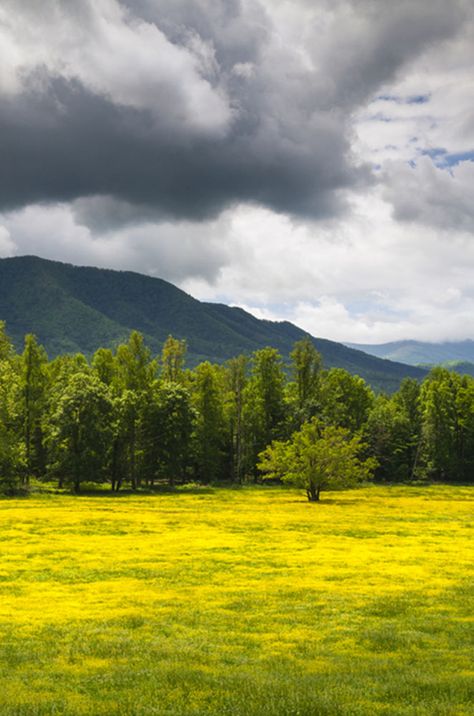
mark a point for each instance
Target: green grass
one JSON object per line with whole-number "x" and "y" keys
{"x": 240, "y": 602}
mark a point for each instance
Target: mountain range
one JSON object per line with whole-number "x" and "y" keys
{"x": 79, "y": 309}
{"x": 458, "y": 355}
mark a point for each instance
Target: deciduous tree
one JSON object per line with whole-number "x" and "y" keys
{"x": 211, "y": 431}
{"x": 317, "y": 458}
{"x": 345, "y": 399}
{"x": 172, "y": 359}
{"x": 34, "y": 381}
{"x": 81, "y": 431}
{"x": 167, "y": 428}
{"x": 264, "y": 403}
{"x": 306, "y": 368}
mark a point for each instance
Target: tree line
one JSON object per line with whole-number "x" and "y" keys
{"x": 131, "y": 420}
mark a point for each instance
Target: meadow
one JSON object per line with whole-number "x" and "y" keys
{"x": 239, "y": 602}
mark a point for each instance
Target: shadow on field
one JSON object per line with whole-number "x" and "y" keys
{"x": 150, "y": 492}
{"x": 327, "y": 501}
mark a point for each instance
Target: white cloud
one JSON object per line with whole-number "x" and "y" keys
{"x": 169, "y": 250}
{"x": 7, "y": 246}
{"x": 367, "y": 279}
{"x": 432, "y": 196}
{"x": 117, "y": 55}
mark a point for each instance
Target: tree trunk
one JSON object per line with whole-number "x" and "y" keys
{"x": 313, "y": 493}
{"x": 133, "y": 477}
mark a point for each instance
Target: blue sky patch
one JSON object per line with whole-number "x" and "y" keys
{"x": 397, "y": 99}
{"x": 445, "y": 160}
{"x": 418, "y": 99}
{"x": 379, "y": 117}
{"x": 388, "y": 98}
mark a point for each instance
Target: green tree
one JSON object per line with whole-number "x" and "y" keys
{"x": 167, "y": 428}
{"x": 389, "y": 438}
{"x": 407, "y": 398}
{"x": 345, "y": 399}
{"x": 447, "y": 439}
{"x": 264, "y": 403}
{"x": 135, "y": 368}
{"x": 34, "y": 385}
{"x": 465, "y": 428}
{"x": 59, "y": 373}
{"x": 12, "y": 446}
{"x": 7, "y": 352}
{"x": 135, "y": 374}
{"x": 407, "y": 401}
{"x": 173, "y": 356}
{"x": 81, "y": 431}
{"x": 318, "y": 458}
{"x": 306, "y": 369}
{"x": 60, "y": 370}
{"x": 211, "y": 430}
{"x": 236, "y": 373}
{"x": 105, "y": 366}
{"x": 126, "y": 452}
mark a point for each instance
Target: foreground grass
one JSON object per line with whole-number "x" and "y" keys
{"x": 246, "y": 602}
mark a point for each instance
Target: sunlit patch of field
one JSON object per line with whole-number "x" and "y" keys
{"x": 239, "y": 602}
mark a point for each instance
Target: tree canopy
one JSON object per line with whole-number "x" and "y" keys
{"x": 318, "y": 457}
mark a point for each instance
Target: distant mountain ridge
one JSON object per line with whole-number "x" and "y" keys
{"x": 418, "y": 352}
{"x": 79, "y": 309}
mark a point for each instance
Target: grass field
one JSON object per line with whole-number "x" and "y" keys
{"x": 239, "y": 602}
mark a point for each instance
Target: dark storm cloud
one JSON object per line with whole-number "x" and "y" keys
{"x": 66, "y": 143}
{"x": 239, "y": 116}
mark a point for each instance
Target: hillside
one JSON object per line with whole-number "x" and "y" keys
{"x": 417, "y": 352}
{"x": 72, "y": 309}
{"x": 458, "y": 366}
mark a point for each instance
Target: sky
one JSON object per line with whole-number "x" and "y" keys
{"x": 307, "y": 160}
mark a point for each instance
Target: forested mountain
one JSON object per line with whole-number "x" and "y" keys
{"x": 416, "y": 352}
{"x": 460, "y": 366}
{"x": 79, "y": 309}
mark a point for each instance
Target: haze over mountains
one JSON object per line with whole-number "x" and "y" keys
{"x": 456, "y": 353}
{"x": 73, "y": 309}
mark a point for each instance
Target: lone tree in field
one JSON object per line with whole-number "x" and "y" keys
{"x": 317, "y": 458}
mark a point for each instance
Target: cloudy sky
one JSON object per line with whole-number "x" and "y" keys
{"x": 310, "y": 160}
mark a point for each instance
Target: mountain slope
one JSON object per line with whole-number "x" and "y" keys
{"x": 461, "y": 367}
{"x": 416, "y": 352}
{"x": 73, "y": 308}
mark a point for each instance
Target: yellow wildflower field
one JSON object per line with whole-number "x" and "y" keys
{"x": 242, "y": 602}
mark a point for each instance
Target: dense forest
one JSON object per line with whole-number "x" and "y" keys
{"x": 127, "y": 419}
